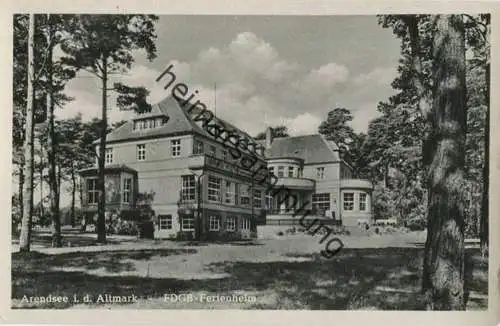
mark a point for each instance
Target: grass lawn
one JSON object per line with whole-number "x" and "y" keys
{"x": 368, "y": 273}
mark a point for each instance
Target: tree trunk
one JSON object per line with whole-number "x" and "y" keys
{"x": 25, "y": 237}
{"x": 83, "y": 216}
{"x": 42, "y": 212}
{"x": 484, "y": 223}
{"x": 51, "y": 149}
{"x": 443, "y": 276}
{"x": 101, "y": 205}
{"x": 73, "y": 194}
{"x": 21, "y": 184}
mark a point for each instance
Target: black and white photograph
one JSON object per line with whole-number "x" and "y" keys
{"x": 250, "y": 162}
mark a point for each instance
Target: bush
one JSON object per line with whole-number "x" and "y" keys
{"x": 416, "y": 224}
{"x": 390, "y": 229}
{"x": 185, "y": 236}
{"x": 223, "y": 236}
{"x": 146, "y": 229}
{"x": 280, "y": 234}
{"x": 122, "y": 227}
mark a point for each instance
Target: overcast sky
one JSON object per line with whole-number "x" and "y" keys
{"x": 269, "y": 70}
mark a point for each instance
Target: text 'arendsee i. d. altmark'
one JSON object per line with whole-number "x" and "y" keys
{"x": 246, "y": 152}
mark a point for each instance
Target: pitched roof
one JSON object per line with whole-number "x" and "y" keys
{"x": 179, "y": 121}
{"x": 311, "y": 148}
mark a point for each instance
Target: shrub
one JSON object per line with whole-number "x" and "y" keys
{"x": 146, "y": 229}
{"x": 125, "y": 227}
{"x": 390, "y": 230}
{"x": 416, "y": 224}
{"x": 185, "y": 236}
{"x": 280, "y": 234}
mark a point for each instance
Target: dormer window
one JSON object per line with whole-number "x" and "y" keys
{"x": 149, "y": 123}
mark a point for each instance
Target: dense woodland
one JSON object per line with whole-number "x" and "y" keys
{"x": 426, "y": 152}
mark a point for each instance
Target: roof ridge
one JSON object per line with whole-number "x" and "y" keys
{"x": 183, "y": 110}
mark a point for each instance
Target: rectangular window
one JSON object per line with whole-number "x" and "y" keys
{"x": 212, "y": 151}
{"x": 127, "y": 190}
{"x": 92, "y": 192}
{"x": 141, "y": 152}
{"x": 257, "y": 198}
{"x": 320, "y": 173}
{"x": 348, "y": 200}
{"x": 271, "y": 170}
{"x": 244, "y": 195}
{"x": 290, "y": 171}
{"x": 198, "y": 147}
{"x": 214, "y": 188}
{"x": 269, "y": 202}
{"x": 245, "y": 223}
{"x": 224, "y": 155}
{"x": 109, "y": 155}
{"x": 165, "y": 222}
{"x": 175, "y": 146}
{"x": 230, "y": 223}
{"x": 229, "y": 194}
{"x": 188, "y": 188}
{"x": 214, "y": 223}
{"x": 187, "y": 223}
{"x": 281, "y": 171}
{"x": 321, "y": 202}
{"x": 362, "y": 202}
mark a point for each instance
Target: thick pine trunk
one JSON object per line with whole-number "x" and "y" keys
{"x": 42, "y": 211}
{"x": 83, "y": 215}
{"x": 20, "y": 190}
{"x": 73, "y": 194}
{"x": 52, "y": 148}
{"x": 484, "y": 223}
{"x": 101, "y": 205}
{"x": 25, "y": 237}
{"x": 443, "y": 277}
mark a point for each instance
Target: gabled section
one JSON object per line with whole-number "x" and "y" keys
{"x": 313, "y": 149}
{"x": 169, "y": 119}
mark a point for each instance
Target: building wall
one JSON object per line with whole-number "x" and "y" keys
{"x": 286, "y": 163}
{"x": 329, "y": 184}
{"x": 161, "y": 174}
{"x": 350, "y": 218}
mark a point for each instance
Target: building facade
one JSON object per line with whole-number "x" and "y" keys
{"x": 196, "y": 188}
{"x": 311, "y": 168}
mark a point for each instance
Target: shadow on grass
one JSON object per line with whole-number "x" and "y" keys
{"x": 111, "y": 261}
{"x": 226, "y": 243}
{"x": 73, "y": 239}
{"x": 381, "y": 278}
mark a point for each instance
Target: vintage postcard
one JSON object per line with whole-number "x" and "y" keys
{"x": 245, "y": 161}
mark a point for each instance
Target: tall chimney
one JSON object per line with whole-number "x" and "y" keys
{"x": 269, "y": 137}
